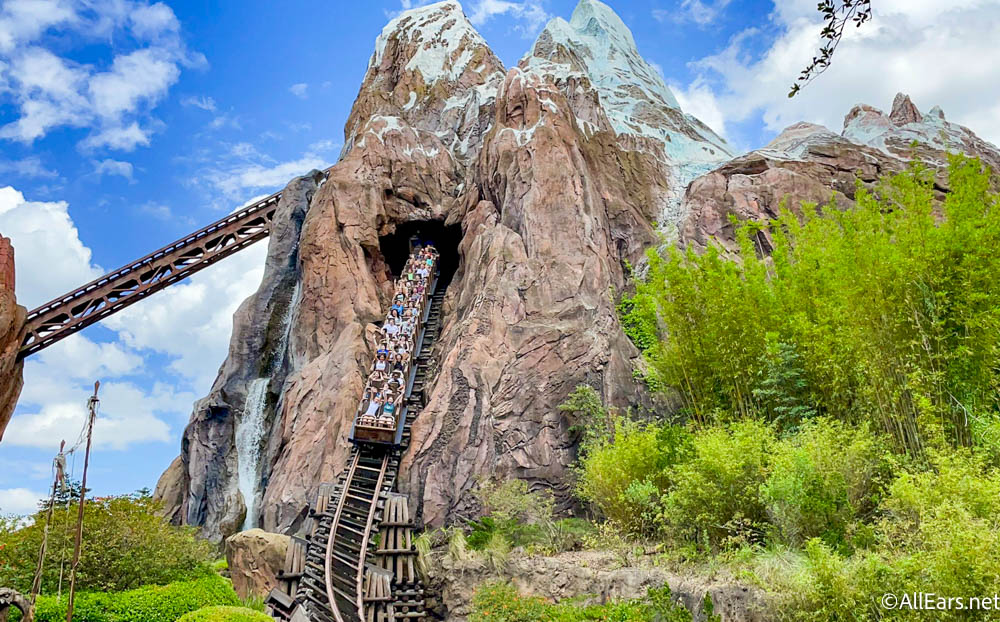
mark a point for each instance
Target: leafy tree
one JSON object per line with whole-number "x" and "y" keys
{"x": 783, "y": 391}
{"x": 126, "y": 544}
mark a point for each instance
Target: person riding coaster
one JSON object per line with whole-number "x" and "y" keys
{"x": 386, "y": 384}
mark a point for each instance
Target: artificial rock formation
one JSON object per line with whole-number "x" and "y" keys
{"x": 12, "y": 318}
{"x": 254, "y": 558}
{"x": 550, "y": 187}
{"x": 808, "y": 162}
{"x": 591, "y": 577}
{"x": 541, "y": 183}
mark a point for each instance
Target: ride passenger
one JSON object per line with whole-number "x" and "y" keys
{"x": 370, "y": 414}
{"x": 388, "y": 417}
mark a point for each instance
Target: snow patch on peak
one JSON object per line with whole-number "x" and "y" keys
{"x": 596, "y": 18}
{"x": 443, "y": 37}
{"x": 597, "y": 45}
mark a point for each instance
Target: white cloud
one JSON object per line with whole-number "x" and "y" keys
{"x": 114, "y": 99}
{"x": 157, "y": 210}
{"x": 30, "y": 166}
{"x": 20, "y": 501}
{"x": 244, "y": 169}
{"x": 127, "y": 424}
{"x": 124, "y": 138}
{"x": 225, "y": 120}
{"x": 699, "y": 100}
{"x": 191, "y": 322}
{"x": 259, "y": 176}
{"x": 938, "y": 53}
{"x": 300, "y": 90}
{"x": 79, "y": 358}
{"x": 697, "y": 11}
{"x": 151, "y": 22}
{"x": 24, "y": 20}
{"x": 142, "y": 76}
{"x": 50, "y": 257}
{"x": 530, "y": 12}
{"x": 200, "y": 101}
{"x": 114, "y": 167}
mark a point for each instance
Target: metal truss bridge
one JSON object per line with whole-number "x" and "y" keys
{"x": 61, "y": 317}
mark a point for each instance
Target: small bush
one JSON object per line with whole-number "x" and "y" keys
{"x": 945, "y": 523}
{"x": 501, "y": 602}
{"x": 716, "y": 497}
{"x": 624, "y": 475}
{"x": 152, "y": 603}
{"x": 225, "y": 614}
{"x": 822, "y": 479}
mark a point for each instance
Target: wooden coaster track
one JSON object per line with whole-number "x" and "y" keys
{"x": 358, "y": 561}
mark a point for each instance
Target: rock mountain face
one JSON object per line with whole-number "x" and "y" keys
{"x": 539, "y": 183}
{"x": 808, "y": 162}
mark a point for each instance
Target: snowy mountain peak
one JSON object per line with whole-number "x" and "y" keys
{"x": 897, "y": 132}
{"x": 597, "y": 45}
{"x": 595, "y": 18}
{"x": 439, "y": 36}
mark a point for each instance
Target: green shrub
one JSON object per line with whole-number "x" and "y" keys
{"x": 126, "y": 545}
{"x": 225, "y": 614}
{"x": 501, "y": 602}
{"x": 153, "y": 603}
{"x": 624, "y": 475}
{"x": 939, "y": 532}
{"x": 822, "y": 479}
{"x": 716, "y": 496}
{"x": 945, "y": 525}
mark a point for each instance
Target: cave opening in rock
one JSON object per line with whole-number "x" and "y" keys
{"x": 395, "y": 247}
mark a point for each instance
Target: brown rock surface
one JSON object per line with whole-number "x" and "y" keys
{"x": 810, "y": 163}
{"x": 12, "y": 318}
{"x": 254, "y": 558}
{"x": 591, "y": 577}
{"x": 805, "y": 163}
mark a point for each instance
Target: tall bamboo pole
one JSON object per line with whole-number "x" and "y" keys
{"x": 92, "y": 405}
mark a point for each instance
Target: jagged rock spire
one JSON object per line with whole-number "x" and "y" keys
{"x": 903, "y": 111}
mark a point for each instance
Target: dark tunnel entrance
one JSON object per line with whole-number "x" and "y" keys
{"x": 396, "y": 246}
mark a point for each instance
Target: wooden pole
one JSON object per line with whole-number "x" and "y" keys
{"x": 36, "y": 585}
{"x": 92, "y": 405}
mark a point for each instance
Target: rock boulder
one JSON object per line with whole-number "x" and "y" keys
{"x": 254, "y": 558}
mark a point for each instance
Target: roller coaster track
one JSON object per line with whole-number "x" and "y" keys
{"x": 344, "y": 576}
{"x": 61, "y": 317}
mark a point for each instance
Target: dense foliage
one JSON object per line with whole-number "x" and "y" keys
{"x": 500, "y": 602}
{"x": 153, "y": 603}
{"x": 126, "y": 545}
{"x": 221, "y": 613}
{"x": 840, "y": 430}
{"x": 888, "y": 312}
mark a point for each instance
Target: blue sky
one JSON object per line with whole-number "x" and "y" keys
{"x": 125, "y": 124}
